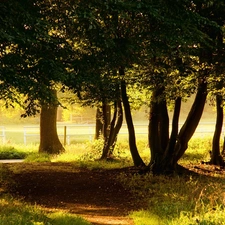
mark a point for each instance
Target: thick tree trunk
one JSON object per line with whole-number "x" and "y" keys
{"x": 163, "y": 124}
{"x": 115, "y": 126}
{"x": 153, "y": 131}
{"x": 165, "y": 166}
{"x": 216, "y": 158}
{"x": 158, "y": 129}
{"x": 99, "y": 124}
{"x": 132, "y": 138}
{"x": 49, "y": 141}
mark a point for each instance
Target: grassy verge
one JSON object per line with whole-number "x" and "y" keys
{"x": 178, "y": 200}
{"x": 14, "y": 212}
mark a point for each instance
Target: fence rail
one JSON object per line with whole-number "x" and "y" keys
{"x": 87, "y": 131}
{"x": 73, "y": 133}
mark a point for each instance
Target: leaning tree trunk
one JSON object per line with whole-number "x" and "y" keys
{"x": 114, "y": 134}
{"x": 115, "y": 126}
{"x": 49, "y": 140}
{"x": 132, "y": 138}
{"x": 175, "y": 129}
{"x": 216, "y": 158}
{"x": 191, "y": 123}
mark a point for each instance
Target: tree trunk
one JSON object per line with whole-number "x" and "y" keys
{"x": 106, "y": 115}
{"x": 163, "y": 124}
{"x": 115, "y": 126}
{"x": 191, "y": 122}
{"x": 49, "y": 140}
{"x": 99, "y": 124}
{"x": 165, "y": 161}
{"x": 158, "y": 129}
{"x": 175, "y": 128}
{"x": 216, "y": 158}
{"x": 153, "y": 131}
{"x": 132, "y": 139}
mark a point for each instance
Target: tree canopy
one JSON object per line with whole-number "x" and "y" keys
{"x": 31, "y": 52}
{"x": 97, "y": 49}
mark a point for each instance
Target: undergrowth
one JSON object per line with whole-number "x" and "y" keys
{"x": 177, "y": 200}
{"x": 11, "y": 152}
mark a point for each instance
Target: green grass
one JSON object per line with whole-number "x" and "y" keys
{"x": 14, "y": 212}
{"x": 178, "y": 200}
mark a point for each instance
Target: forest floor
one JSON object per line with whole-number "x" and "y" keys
{"x": 96, "y": 195}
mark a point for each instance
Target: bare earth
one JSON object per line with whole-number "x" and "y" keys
{"x": 95, "y": 195}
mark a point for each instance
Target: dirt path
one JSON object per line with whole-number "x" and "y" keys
{"x": 96, "y": 195}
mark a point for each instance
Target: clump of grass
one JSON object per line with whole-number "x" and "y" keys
{"x": 13, "y": 212}
{"x": 10, "y": 152}
{"x": 38, "y": 157}
{"x": 61, "y": 218}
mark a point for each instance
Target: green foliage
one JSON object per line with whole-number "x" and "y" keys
{"x": 30, "y": 53}
{"x": 95, "y": 150}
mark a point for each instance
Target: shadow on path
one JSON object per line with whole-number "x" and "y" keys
{"x": 93, "y": 194}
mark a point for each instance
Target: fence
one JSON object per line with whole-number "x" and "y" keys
{"x": 65, "y": 132}
{"x": 2, "y": 134}
{"x": 69, "y": 134}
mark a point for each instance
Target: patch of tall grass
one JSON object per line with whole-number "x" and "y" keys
{"x": 198, "y": 150}
{"x": 16, "y": 151}
{"x": 178, "y": 200}
{"x": 38, "y": 157}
